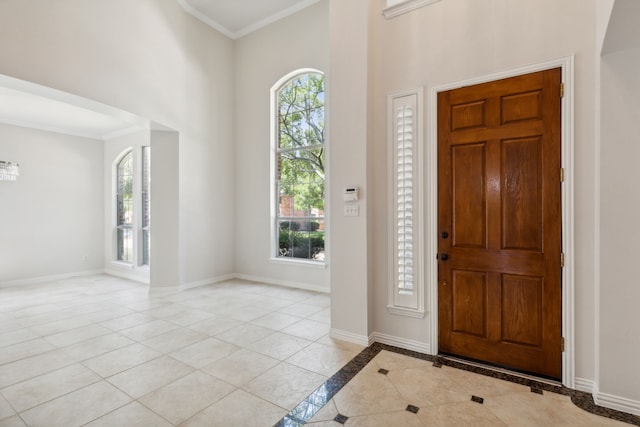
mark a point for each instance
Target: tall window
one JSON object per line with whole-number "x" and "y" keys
{"x": 146, "y": 205}
{"x": 300, "y": 168}
{"x": 124, "y": 208}
{"x": 133, "y": 208}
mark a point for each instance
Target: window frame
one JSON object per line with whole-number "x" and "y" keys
{"x": 275, "y": 217}
{"x": 126, "y": 155}
{"x": 137, "y": 228}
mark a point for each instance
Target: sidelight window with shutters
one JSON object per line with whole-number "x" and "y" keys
{"x": 406, "y": 284}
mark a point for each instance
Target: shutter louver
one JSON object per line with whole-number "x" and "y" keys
{"x": 404, "y": 201}
{"x": 406, "y": 288}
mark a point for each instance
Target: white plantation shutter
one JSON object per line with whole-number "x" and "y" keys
{"x": 404, "y": 200}
{"x": 405, "y": 292}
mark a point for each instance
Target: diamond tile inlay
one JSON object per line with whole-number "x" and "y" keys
{"x": 341, "y": 419}
{"x": 477, "y": 399}
{"x": 413, "y": 409}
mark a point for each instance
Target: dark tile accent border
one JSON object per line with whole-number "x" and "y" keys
{"x": 536, "y": 389}
{"x": 323, "y": 394}
{"x": 585, "y": 401}
{"x": 290, "y": 422}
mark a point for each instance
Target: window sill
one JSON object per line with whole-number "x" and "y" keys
{"x": 130, "y": 266}
{"x": 122, "y": 264}
{"x": 300, "y": 262}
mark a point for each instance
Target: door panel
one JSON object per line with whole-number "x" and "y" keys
{"x": 522, "y": 194}
{"x": 522, "y": 310}
{"x": 499, "y": 204}
{"x": 469, "y": 213}
{"x": 469, "y": 302}
{"x": 521, "y": 106}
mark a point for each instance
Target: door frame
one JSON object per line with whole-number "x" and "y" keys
{"x": 568, "y": 218}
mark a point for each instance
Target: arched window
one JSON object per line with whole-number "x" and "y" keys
{"x": 124, "y": 207}
{"x": 299, "y": 167}
{"x": 133, "y": 207}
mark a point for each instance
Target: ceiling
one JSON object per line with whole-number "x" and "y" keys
{"x": 236, "y": 18}
{"x": 623, "y": 33}
{"x": 33, "y": 106}
{"x": 37, "y": 112}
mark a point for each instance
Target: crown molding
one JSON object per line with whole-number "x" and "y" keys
{"x": 250, "y": 28}
{"x": 405, "y": 7}
{"x": 205, "y": 19}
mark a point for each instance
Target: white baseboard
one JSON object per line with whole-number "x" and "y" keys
{"x": 349, "y": 337}
{"x": 607, "y": 400}
{"x": 45, "y": 279}
{"x": 137, "y": 276}
{"x": 618, "y": 403}
{"x": 160, "y": 290}
{"x": 587, "y": 386}
{"x": 406, "y": 344}
{"x": 288, "y": 284}
{"x": 205, "y": 282}
{"x": 420, "y": 347}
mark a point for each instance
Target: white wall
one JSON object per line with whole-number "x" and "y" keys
{"x": 348, "y": 118}
{"x": 620, "y": 232}
{"x": 155, "y": 61}
{"x": 261, "y": 59}
{"x": 619, "y": 346}
{"x": 165, "y": 212}
{"x": 51, "y": 217}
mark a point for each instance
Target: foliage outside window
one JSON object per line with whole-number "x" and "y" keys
{"x": 124, "y": 208}
{"x": 300, "y": 168}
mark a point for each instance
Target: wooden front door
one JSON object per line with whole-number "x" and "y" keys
{"x": 499, "y": 219}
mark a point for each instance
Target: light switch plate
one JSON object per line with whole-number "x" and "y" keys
{"x": 352, "y": 209}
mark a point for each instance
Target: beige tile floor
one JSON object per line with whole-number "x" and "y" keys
{"x": 101, "y": 351}
{"x": 443, "y": 396}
